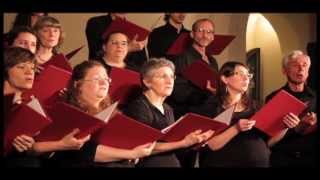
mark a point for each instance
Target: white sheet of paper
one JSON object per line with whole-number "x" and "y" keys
{"x": 106, "y": 113}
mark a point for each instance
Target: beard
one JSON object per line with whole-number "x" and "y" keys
{"x": 296, "y": 82}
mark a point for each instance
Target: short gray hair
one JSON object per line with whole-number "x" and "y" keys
{"x": 292, "y": 56}
{"x": 155, "y": 63}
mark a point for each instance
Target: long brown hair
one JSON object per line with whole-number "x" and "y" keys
{"x": 73, "y": 93}
{"x": 227, "y": 70}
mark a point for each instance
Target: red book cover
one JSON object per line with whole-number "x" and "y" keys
{"x": 199, "y": 73}
{"x": 128, "y": 28}
{"x": 184, "y": 41}
{"x": 269, "y": 118}
{"x": 48, "y": 84}
{"x": 191, "y": 122}
{"x": 26, "y": 119}
{"x": 65, "y": 118}
{"x": 72, "y": 53}
{"x": 123, "y": 132}
{"x": 60, "y": 61}
{"x": 126, "y": 84}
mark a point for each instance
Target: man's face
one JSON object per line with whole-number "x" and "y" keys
{"x": 297, "y": 70}
{"x": 177, "y": 17}
{"x": 203, "y": 35}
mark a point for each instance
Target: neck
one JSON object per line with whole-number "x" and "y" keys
{"x": 202, "y": 51}
{"x": 176, "y": 25}
{"x": 234, "y": 97}
{"x": 8, "y": 89}
{"x": 44, "y": 54}
{"x": 91, "y": 104}
{"x": 114, "y": 62}
{"x": 154, "y": 99}
{"x": 296, "y": 87}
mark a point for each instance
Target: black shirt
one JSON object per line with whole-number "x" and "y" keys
{"x": 185, "y": 94}
{"x": 161, "y": 38}
{"x": 296, "y": 149}
{"x": 142, "y": 110}
{"x": 95, "y": 28}
{"x": 246, "y": 149}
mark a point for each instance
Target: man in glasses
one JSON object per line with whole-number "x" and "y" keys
{"x": 186, "y": 96}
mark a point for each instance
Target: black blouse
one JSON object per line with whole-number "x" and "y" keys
{"x": 185, "y": 94}
{"x": 142, "y": 110}
{"x": 161, "y": 38}
{"x": 247, "y": 149}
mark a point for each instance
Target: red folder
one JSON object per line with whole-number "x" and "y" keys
{"x": 269, "y": 118}
{"x": 125, "y": 84}
{"x": 65, "y": 118}
{"x": 199, "y": 73}
{"x": 60, "y": 61}
{"x": 123, "y": 132}
{"x": 184, "y": 40}
{"x": 128, "y": 28}
{"x": 74, "y": 52}
{"x": 48, "y": 83}
{"x": 191, "y": 122}
{"x": 25, "y": 119}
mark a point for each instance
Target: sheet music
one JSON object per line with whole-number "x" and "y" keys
{"x": 106, "y": 113}
{"x": 225, "y": 116}
{"x": 35, "y": 105}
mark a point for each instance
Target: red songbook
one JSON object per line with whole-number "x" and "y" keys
{"x": 66, "y": 118}
{"x": 184, "y": 40}
{"x": 128, "y": 28}
{"x": 126, "y": 84}
{"x": 124, "y": 132}
{"x": 48, "y": 84}
{"x": 199, "y": 73}
{"x": 74, "y": 52}
{"x": 269, "y": 118}
{"x": 60, "y": 61}
{"x": 26, "y": 119}
{"x": 191, "y": 122}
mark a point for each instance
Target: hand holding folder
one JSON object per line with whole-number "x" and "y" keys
{"x": 184, "y": 41}
{"x": 269, "y": 118}
{"x": 126, "y": 84}
{"x": 26, "y": 119}
{"x": 48, "y": 84}
{"x": 128, "y": 28}
{"x": 199, "y": 73}
{"x": 192, "y": 122}
{"x": 66, "y": 118}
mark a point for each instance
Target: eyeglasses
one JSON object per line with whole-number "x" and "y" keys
{"x": 201, "y": 30}
{"x": 243, "y": 74}
{"x": 98, "y": 80}
{"x": 122, "y": 43}
{"x": 165, "y": 76}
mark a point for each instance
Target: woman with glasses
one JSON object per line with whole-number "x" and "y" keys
{"x": 149, "y": 108}
{"x": 115, "y": 50}
{"x": 240, "y": 145}
{"x": 88, "y": 91}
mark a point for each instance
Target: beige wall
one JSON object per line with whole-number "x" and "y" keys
{"x": 293, "y": 31}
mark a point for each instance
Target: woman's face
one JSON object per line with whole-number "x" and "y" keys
{"x": 95, "y": 84}
{"x": 117, "y": 46}
{"x": 240, "y": 80}
{"x": 49, "y": 36}
{"x": 26, "y": 40}
{"x": 161, "y": 81}
{"x": 21, "y": 75}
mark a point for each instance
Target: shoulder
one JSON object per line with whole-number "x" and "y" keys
{"x": 268, "y": 97}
